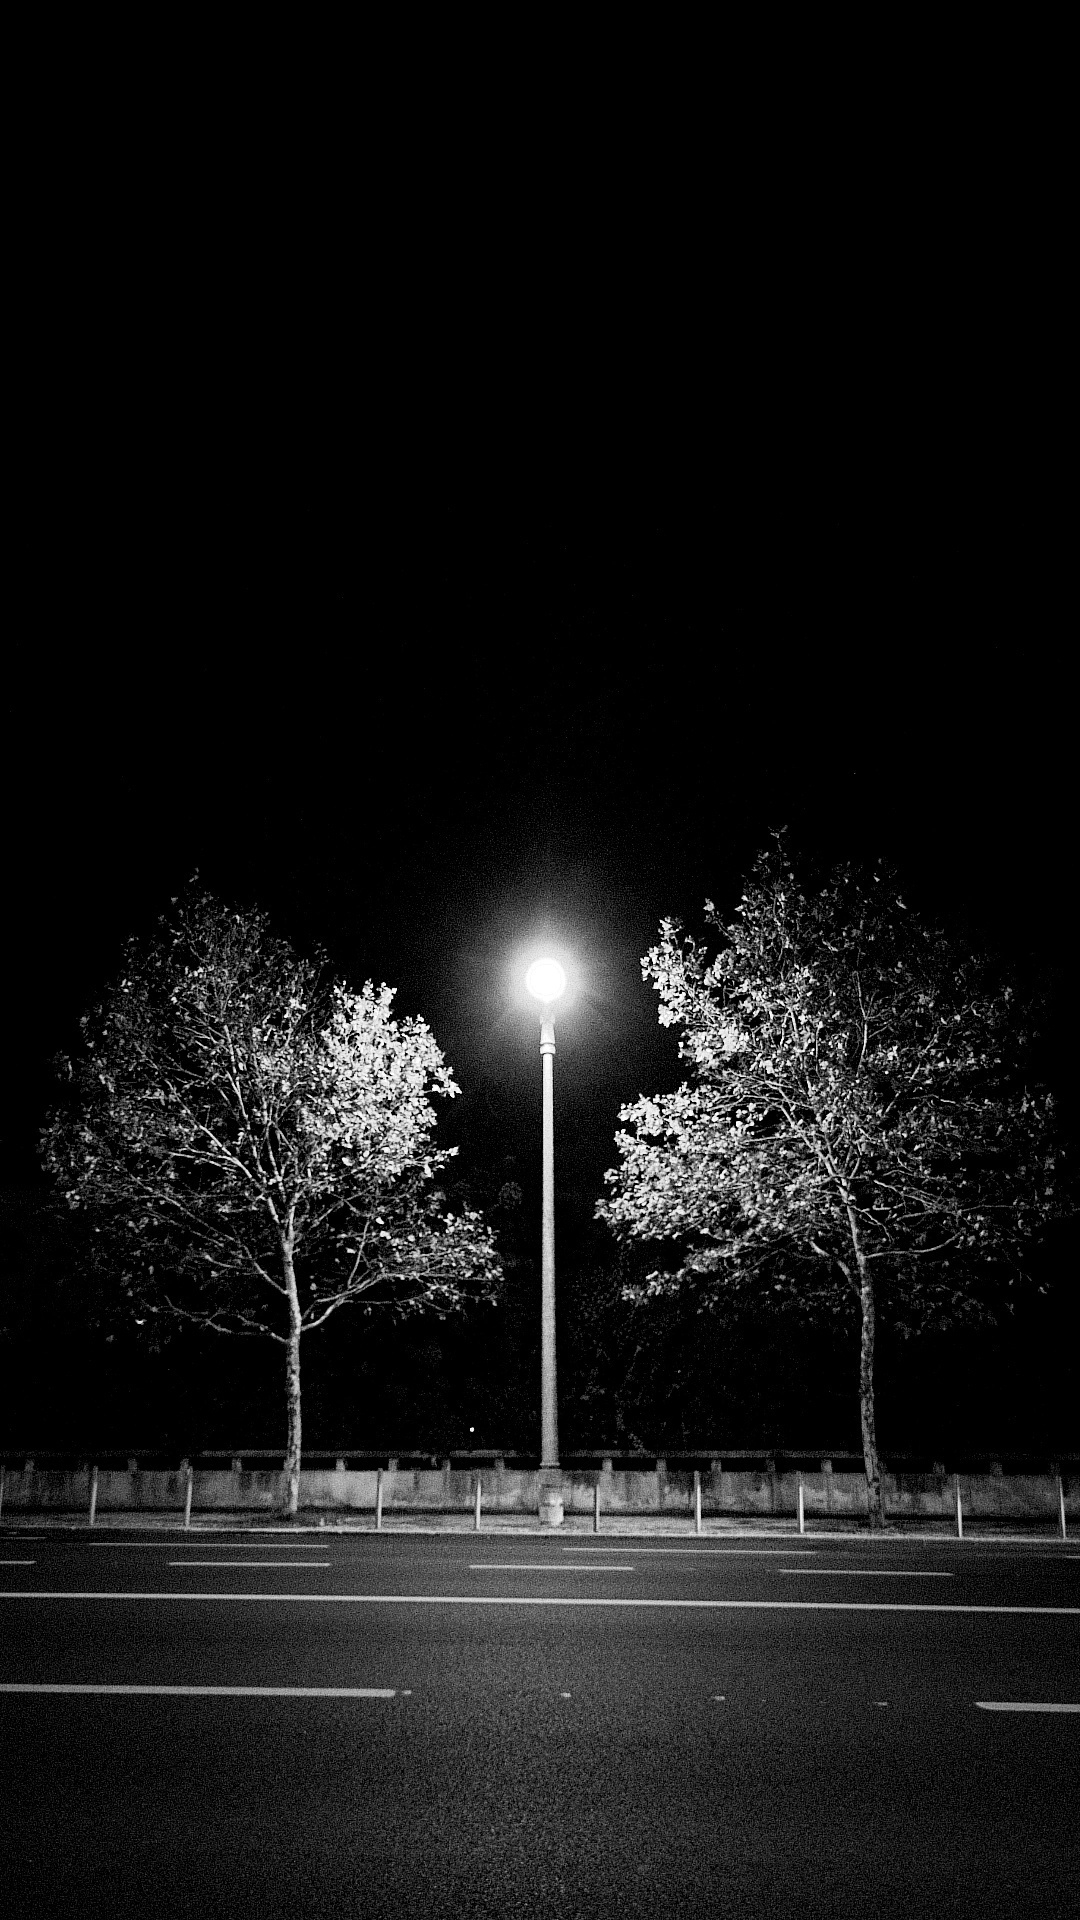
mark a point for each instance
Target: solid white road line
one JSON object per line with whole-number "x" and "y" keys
{"x": 872, "y": 1573}
{"x": 249, "y": 1693}
{"x": 170, "y": 1546}
{"x": 533, "y": 1600}
{"x": 539, "y": 1566}
{"x": 18, "y": 1563}
{"x": 977, "y": 1548}
{"x": 1028, "y": 1706}
{"x": 701, "y": 1553}
{"x": 249, "y": 1563}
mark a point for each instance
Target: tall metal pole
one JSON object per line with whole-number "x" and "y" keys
{"x": 549, "y": 1418}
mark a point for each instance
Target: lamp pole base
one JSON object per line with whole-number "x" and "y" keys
{"x": 550, "y": 1500}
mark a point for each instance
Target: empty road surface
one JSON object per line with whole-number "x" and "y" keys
{"x": 276, "y": 1723}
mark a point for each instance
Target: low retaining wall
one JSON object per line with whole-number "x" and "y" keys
{"x": 724, "y": 1492}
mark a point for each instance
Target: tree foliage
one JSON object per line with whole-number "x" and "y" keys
{"x": 859, "y": 1110}
{"x": 259, "y": 1140}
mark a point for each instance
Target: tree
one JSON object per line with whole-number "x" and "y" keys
{"x": 257, "y": 1141}
{"x": 860, "y": 1116}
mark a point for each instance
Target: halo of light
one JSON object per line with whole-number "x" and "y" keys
{"x": 545, "y": 980}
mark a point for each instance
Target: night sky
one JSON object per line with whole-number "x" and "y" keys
{"x": 429, "y": 735}
{"x": 435, "y": 721}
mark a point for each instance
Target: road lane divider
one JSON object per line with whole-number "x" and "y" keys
{"x": 539, "y": 1566}
{"x": 18, "y": 1563}
{"x": 239, "y": 1693}
{"x": 780, "y": 1552}
{"x": 656, "y": 1604}
{"x": 873, "y": 1573}
{"x": 1028, "y": 1706}
{"x": 261, "y": 1564}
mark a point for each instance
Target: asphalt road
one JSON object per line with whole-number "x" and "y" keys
{"x": 283, "y": 1724}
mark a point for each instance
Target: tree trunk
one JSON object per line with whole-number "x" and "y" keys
{"x": 871, "y": 1463}
{"x": 292, "y": 1387}
{"x": 292, "y": 1394}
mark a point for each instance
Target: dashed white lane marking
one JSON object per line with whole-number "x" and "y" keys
{"x": 18, "y": 1563}
{"x": 539, "y": 1566}
{"x": 249, "y": 1563}
{"x": 1028, "y": 1706}
{"x": 247, "y": 1693}
{"x": 533, "y": 1600}
{"x": 872, "y": 1573}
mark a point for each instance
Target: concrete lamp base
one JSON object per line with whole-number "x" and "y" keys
{"x": 550, "y": 1497}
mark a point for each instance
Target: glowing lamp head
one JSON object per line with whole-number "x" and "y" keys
{"x": 545, "y": 980}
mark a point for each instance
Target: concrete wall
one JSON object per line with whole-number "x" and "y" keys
{"x": 725, "y": 1492}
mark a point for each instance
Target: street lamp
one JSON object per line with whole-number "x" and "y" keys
{"x": 546, "y": 980}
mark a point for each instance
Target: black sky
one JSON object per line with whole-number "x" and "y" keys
{"x": 424, "y": 722}
{"x": 446, "y": 544}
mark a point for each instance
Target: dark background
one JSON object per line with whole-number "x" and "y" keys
{"x": 429, "y": 736}
{"x": 445, "y": 581}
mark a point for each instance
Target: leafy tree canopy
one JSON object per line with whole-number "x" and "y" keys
{"x": 260, "y": 1139}
{"x": 860, "y": 1108}
{"x": 858, "y": 1087}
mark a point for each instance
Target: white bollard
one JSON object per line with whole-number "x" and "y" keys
{"x": 187, "y": 1498}
{"x": 93, "y": 1494}
{"x": 596, "y": 1508}
{"x": 479, "y": 1478}
{"x": 697, "y": 1500}
{"x": 378, "y": 1502}
{"x": 959, "y": 1510}
{"x": 802, "y": 1515}
{"x": 1061, "y": 1505}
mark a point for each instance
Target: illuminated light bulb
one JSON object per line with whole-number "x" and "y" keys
{"x": 545, "y": 980}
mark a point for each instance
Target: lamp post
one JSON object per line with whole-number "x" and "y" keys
{"x": 546, "y": 980}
